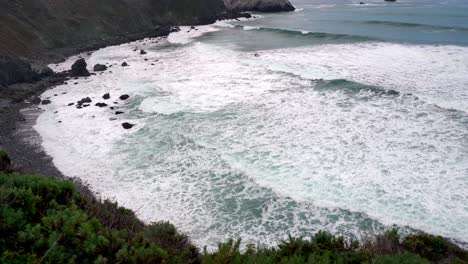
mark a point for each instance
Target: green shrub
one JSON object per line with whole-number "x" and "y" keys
{"x": 43, "y": 220}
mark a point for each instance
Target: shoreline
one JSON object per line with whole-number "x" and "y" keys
{"x": 18, "y": 114}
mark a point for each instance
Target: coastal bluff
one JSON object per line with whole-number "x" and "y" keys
{"x": 259, "y": 5}
{"x": 48, "y": 29}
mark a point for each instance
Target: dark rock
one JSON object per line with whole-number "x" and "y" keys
{"x": 85, "y": 105}
{"x": 106, "y": 96}
{"x": 392, "y": 92}
{"x": 175, "y": 29}
{"x": 124, "y": 64}
{"x": 79, "y": 68}
{"x": 36, "y": 100}
{"x": 101, "y": 104}
{"x": 42, "y": 70}
{"x": 5, "y": 162}
{"x": 124, "y": 97}
{"x": 142, "y": 52}
{"x": 46, "y": 102}
{"x": 99, "y": 67}
{"x": 84, "y": 100}
{"x": 127, "y": 125}
{"x": 119, "y": 112}
{"x": 146, "y": 59}
{"x": 14, "y": 70}
{"x": 70, "y": 104}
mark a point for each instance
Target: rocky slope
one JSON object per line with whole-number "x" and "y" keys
{"x": 29, "y": 28}
{"x": 259, "y": 5}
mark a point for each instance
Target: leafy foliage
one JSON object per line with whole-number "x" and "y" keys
{"x": 43, "y": 220}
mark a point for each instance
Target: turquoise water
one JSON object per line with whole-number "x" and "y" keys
{"x": 344, "y": 117}
{"x": 411, "y": 21}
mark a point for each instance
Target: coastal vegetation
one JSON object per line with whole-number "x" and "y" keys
{"x": 45, "y": 220}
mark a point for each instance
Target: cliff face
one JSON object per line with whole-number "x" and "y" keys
{"x": 259, "y": 5}
{"x": 31, "y": 27}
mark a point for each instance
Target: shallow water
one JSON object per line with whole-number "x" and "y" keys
{"x": 323, "y": 129}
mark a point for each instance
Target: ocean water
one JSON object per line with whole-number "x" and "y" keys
{"x": 341, "y": 117}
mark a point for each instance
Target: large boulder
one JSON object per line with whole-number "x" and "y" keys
{"x": 79, "y": 68}
{"x": 13, "y": 70}
{"x": 259, "y": 5}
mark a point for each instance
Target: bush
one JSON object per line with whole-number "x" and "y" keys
{"x": 43, "y": 220}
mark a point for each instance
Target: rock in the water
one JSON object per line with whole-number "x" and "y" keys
{"x": 124, "y": 97}
{"x": 127, "y": 125}
{"x": 106, "y": 96}
{"x": 36, "y": 100}
{"x": 101, "y": 104}
{"x": 79, "y": 68}
{"x": 84, "y": 100}
{"x": 119, "y": 112}
{"x": 70, "y": 104}
{"x": 142, "y": 52}
{"x": 259, "y": 5}
{"x": 46, "y": 102}
{"x": 99, "y": 67}
{"x": 124, "y": 64}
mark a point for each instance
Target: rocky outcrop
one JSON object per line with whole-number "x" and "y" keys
{"x": 79, "y": 68}
{"x": 14, "y": 70}
{"x": 259, "y": 5}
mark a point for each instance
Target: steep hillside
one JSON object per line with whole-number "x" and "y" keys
{"x": 32, "y": 27}
{"x": 259, "y": 5}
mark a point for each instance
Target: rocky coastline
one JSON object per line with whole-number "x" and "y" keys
{"x": 67, "y": 29}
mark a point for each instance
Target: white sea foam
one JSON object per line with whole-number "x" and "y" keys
{"x": 227, "y": 144}
{"x": 435, "y": 74}
{"x": 187, "y": 34}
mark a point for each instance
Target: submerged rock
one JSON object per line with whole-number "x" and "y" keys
{"x": 46, "y": 102}
{"x": 84, "y": 100}
{"x": 127, "y": 125}
{"x": 259, "y": 5}
{"x": 99, "y": 67}
{"x": 101, "y": 104}
{"x": 142, "y": 52}
{"x": 124, "y": 97}
{"x": 79, "y": 68}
